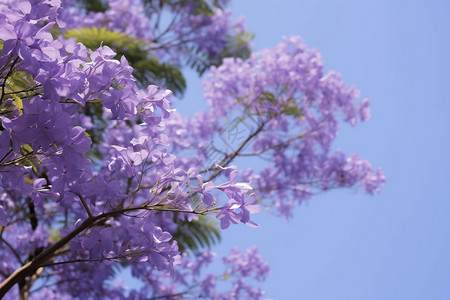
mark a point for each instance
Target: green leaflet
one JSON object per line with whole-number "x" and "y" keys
{"x": 196, "y": 234}
{"x": 26, "y": 149}
{"x": 27, "y": 152}
{"x": 292, "y": 110}
{"x": 94, "y": 37}
{"x": 18, "y": 102}
{"x": 268, "y": 97}
{"x": 19, "y": 81}
{"x": 151, "y": 70}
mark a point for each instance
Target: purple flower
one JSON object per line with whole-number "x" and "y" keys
{"x": 98, "y": 242}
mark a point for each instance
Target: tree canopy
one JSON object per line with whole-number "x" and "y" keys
{"x": 99, "y": 173}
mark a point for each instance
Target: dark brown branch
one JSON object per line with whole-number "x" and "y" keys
{"x": 11, "y": 70}
{"x": 86, "y": 207}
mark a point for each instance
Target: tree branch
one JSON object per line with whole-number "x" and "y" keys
{"x": 226, "y": 160}
{"x": 6, "y": 78}
{"x": 30, "y": 267}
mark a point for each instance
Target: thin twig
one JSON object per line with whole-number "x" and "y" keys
{"x": 16, "y": 254}
{"x": 6, "y": 78}
{"x": 86, "y": 207}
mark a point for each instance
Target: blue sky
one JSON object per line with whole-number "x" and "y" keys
{"x": 344, "y": 244}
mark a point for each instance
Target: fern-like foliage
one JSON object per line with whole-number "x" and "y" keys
{"x": 147, "y": 68}
{"x": 197, "y": 234}
{"x": 151, "y": 70}
{"x": 94, "y": 37}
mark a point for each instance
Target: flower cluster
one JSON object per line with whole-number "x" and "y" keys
{"x": 292, "y": 111}
{"x": 242, "y": 270}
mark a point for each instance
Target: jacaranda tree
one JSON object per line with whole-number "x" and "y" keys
{"x": 99, "y": 173}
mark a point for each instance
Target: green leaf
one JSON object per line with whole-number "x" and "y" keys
{"x": 151, "y": 71}
{"x": 19, "y": 80}
{"x": 196, "y": 234}
{"x": 94, "y": 37}
{"x": 268, "y": 97}
{"x": 292, "y": 110}
{"x": 18, "y": 102}
{"x": 26, "y": 149}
